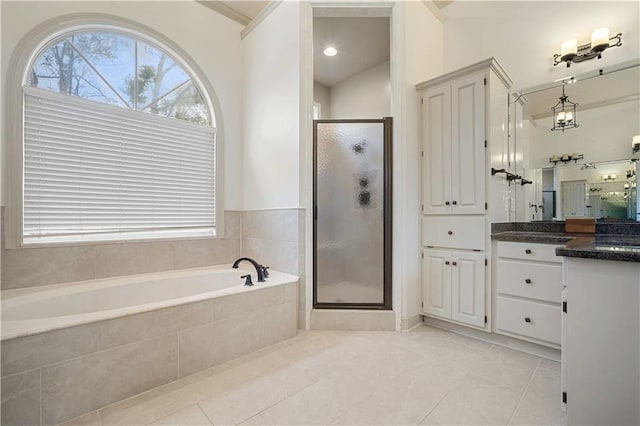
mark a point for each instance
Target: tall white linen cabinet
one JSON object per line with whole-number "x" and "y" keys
{"x": 464, "y": 118}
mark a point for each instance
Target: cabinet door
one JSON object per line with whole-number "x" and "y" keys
{"x": 467, "y": 288}
{"x": 436, "y": 162}
{"x": 467, "y": 145}
{"x": 436, "y": 283}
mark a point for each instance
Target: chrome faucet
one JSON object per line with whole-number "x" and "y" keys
{"x": 260, "y": 270}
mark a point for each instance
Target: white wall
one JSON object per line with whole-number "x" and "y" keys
{"x": 418, "y": 49}
{"x": 365, "y": 95}
{"x": 524, "y": 35}
{"x": 211, "y": 40}
{"x": 271, "y": 119}
{"x": 604, "y": 134}
{"x": 322, "y": 95}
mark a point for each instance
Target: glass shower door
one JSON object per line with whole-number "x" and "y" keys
{"x": 352, "y": 226}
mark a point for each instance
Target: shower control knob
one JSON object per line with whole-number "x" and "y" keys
{"x": 450, "y": 232}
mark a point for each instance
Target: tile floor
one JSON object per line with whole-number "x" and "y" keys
{"x": 427, "y": 376}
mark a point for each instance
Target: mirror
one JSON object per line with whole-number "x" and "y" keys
{"x": 568, "y": 168}
{"x": 603, "y": 190}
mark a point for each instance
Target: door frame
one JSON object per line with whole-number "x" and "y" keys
{"x": 387, "y": 303}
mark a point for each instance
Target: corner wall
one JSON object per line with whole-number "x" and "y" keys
{"x": 419, "y": 37}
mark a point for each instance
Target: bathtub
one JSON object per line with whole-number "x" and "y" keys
{"x": 80, "y": 346}
{"x": 34, "y": 310}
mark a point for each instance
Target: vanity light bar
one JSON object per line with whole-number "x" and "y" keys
{"x": 570, "y": 51}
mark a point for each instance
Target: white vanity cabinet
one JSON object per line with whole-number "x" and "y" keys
{"x": 528, "y": 292}
{"x": 464, "y": 116}
{"x": 453, "y": 285}
{"x": 453, "y": 136}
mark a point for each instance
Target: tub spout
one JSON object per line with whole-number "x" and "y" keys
{"x": 259, "y": 270}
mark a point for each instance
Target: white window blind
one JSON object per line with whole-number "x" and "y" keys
{"x": 99, "y": 172}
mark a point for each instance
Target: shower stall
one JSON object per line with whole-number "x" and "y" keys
{"x": 352, "y": 214}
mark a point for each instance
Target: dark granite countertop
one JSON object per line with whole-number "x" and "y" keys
{"x": 533, "y": 237}
{"x": 624, "y": 247}
{"x": 603, "y": 247}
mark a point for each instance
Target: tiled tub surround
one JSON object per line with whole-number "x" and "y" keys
{"x": 277, "y": 238}
{"x": 40, "y": 266}
{"x": 52, "y": 376}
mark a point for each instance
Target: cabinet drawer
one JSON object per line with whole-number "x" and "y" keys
{"x": 543, "y": 324}
{"x": 454, "y": 232}
{"x": 533, "y": 280}
{"x": 529, "y": 251}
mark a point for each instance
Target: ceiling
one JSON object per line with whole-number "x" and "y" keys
{"x": 250, "y": 9}
{"x": 596, "y": 91}
{"x": 361, "y": 43}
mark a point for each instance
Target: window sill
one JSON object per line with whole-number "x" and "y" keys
{"x": 147, "y": 237}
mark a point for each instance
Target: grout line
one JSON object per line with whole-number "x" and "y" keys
{"x": 524, "y": 392}
{"x": 204, "y": 412}
{"x": 40, "y": 405}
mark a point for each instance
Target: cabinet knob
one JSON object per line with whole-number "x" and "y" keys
{"x": 450, "y": 232}
{"x": 527, "y": 319}
{"x": 446, "y": 262}
{"x": 454, "y": 202}
{"x": 446, "y": 203}
{"x": 454, "y": 263}
{"x": 528, "y": 281}
{"x": 528, "y": 251}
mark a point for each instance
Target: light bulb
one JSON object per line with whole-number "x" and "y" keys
{"x": 569, "y": 49}
{"x": 600, "y": 39}
{"x": 330, "y": 51}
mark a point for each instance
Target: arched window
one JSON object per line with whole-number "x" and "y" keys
{"x": 118, "y": 142}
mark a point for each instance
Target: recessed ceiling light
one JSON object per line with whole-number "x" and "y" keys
{"x": 330, "y": 51}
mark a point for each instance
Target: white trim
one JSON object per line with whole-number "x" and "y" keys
{"x": 435, "y": 10}
{"x": 226, "y": 10}
{"x": 259, "y": 18}
{"x": 478, "y": 66}
{"x": 306, "y": 150}
{"x": 25, "y": 53}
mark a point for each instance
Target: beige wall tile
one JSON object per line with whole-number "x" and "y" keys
{"x": 194, "y": 253}
{"x": 50, "y": 265}
{"x": 332, "y": 319}
{"x": 24, "y": 353}
{"x": 133, "y": 258}
{"x": 279, "y": 225}
{"x": 238, "y": 305}
{"x": 243, "y": 335}
{"x": 201, "y": 347}
{"x": 280, "y": 322}
{"x": 75, "y": 387}
{"x": 279, "y": 255}
{"x": 131, "y": 328}
{"x": 21, "y": 399}
{"x": 32, "y": 267}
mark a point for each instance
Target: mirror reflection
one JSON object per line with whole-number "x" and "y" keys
{"x": 602, "y": 190}
{"x": 588, "y": 169}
